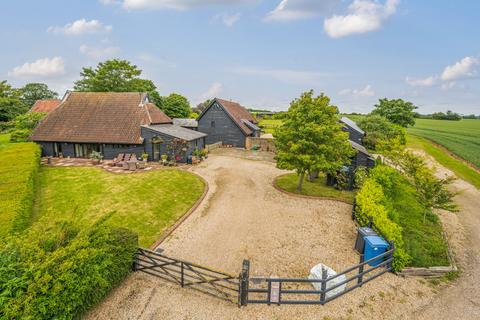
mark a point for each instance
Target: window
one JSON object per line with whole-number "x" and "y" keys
{"x": 213, "y": 123}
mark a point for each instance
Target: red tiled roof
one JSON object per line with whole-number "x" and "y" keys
{"x": 45, "y": 105}
{"x": 238, "y": 112}
{"x": 99, "y": 117}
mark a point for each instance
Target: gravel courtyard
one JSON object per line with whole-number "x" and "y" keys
{"x": 244, "y": 217}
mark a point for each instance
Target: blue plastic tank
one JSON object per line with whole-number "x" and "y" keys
{"x": 374, "y": 246}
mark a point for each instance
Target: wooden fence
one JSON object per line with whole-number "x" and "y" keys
{"x": 299, "y": 290}
{"x": 262, "y": 144}
{"x": 187, "y": 274}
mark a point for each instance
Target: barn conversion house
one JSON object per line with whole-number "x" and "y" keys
{"x": 227, "y": 122}
{"x": 112, "y": 123}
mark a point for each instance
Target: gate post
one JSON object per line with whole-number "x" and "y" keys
{"x": 243, "y": 284}
{"x": 323, "y": 295}
{"x": 360, "y": 270}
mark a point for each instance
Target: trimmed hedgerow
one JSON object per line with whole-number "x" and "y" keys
{"x": 19, "y": 164}
{"x": 371, "y": 203}
{"x": 390, "y": 200}
{"x": 59, "y": 274}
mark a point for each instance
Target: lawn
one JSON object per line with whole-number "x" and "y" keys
{"x": 460, "y": 137}
{"x": 19, "y": 164}
{"x": 424, "y": 242}
{"x": 460, "y": 168}
{"x": 146, "y": 203}
{"x": 318, "y": 188}
{"x": 269, "y": 125}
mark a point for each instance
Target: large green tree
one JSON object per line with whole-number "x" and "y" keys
{"x": 113, "y": 75}
{"x": 117, "y": 76}
{"x": 311, "y": 139}
{"x": 176, "y": 106}
{"x": 32, "y": 92}
{"x": 381, "y": 132}
{"x": 10, "y": 103}
{"x": 396, "y": 111}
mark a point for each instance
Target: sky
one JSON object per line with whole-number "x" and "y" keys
{"x": 261, "y": 53}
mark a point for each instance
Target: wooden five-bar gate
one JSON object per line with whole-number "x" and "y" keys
{"x": 187, "y": 274}
{"x": 245, "y": 289}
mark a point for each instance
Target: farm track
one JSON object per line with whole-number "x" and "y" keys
{"x": 461, "y": 300}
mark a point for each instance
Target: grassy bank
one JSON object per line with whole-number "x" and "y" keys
{"x": 460, "y": 168}
{"x": 146, "y": 203}
{"x": 318, "y": 188}
{"x": 19, "y": 163}
{"x": 269, "y": 125}
{"x": 460, "y": 137}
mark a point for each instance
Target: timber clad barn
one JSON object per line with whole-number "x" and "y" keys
{"x": 227, "y": 122}
{"x": 110, "y": 123}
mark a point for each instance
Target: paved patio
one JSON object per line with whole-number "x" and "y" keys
{"x": 105, "y": 164}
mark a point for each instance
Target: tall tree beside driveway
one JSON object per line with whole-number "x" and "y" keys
{"x": 32, "y": 92}
{"x": 176, "y": 106}
{"x": 311, "y": 139}
{"x": 396, "y": 111}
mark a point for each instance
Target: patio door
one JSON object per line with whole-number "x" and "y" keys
{"x": 156, "y": 151}
{"x": 85, "y": 149}
{"x": 57, "y": 149}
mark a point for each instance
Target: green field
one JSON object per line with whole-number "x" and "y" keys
{"x": 269, "y": 125}
{"x": 317, "y": 188}
{"x": 460, "y": 137}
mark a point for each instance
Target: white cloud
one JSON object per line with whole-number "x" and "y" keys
{"x": 364, "y": 16}
{"x": 465, "y": 68}
{"x": 288, "y": 10}
{"x": 99, "y": 53}
{"x": 212, "y": 92}
{"x": 359, "y": 93}
{"x": 45, "y": 67}
{"x": 228, "y": 19}
{"x": 283, "y": 75}
{"x": 81, "y": 26}
{"x": 425, "y": 82}
{"x": 448, "y": 85}
{"x": 177, "y": 4}
{"x": 107, "y": 2}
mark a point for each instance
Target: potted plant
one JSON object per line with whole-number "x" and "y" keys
{"x": 144, "y": 157}
{"x": 96, "y": 157}
{"x": 164, "y": 158}
{"x": 204, "y": 154}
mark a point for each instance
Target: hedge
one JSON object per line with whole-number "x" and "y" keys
{"x": 60, "y": 273}
{"x": 372, "y": 202}
{"x": 19, "y": 164}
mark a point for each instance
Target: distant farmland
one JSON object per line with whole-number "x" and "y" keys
{"x": 460, "y": 137}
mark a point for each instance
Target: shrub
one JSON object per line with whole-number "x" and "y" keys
{"x": 22, "y": 126}
{"x": 371, "y": 203}
{"x": 55, "y": 275}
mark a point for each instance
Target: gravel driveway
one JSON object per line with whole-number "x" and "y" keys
{"x": 243, "y": 216}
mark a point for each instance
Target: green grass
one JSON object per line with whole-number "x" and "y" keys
{"x": 146, "y": 203}
{"x": 269, "y": 125}
{"x": 460, "y": 137}
{"x": 318, "y": 188}
{"x": 19, "y": 164}
{"x": 461, "y": 169}
{"x": 424, "y": 242}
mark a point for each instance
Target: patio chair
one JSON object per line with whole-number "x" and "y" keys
{"x": 118, "y": 161}
{"x": 141, "y": 164}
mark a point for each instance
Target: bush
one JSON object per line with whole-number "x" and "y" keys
{"x": 57, "y": 274}
{"x": 371, "y": 203}
{"x": 19, "y": 166}
{"x": 22, "y": 126}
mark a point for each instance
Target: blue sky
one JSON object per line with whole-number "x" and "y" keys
{"x": 262, "y": 53}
